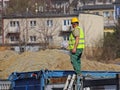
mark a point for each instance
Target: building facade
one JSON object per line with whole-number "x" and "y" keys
{"x": 109, "y": 9}
{"x": 33, "y": 32}
{"x": 51, "y": 23}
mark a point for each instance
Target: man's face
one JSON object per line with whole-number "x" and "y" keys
{"x": 74, "y": 25}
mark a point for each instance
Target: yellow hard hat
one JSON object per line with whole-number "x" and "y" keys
{"x": 74, "y": 20}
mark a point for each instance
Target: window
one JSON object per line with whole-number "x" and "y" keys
{"x": 97, "y": 13}
{"x": 14, "y": 23}
{"x": 66, "y": 37}
{"x": 117, "y": 11}
{"x": 14, "y": 38}
{"x": 32, "y": 23}
{"x": 32, "y": 38}
{"x": 113, "y": 14}
{"x": 22, "y": 49}
{"x": 49, "y": 23}
{"x": 67, "y": 22}
{"x": 106, "y": 14}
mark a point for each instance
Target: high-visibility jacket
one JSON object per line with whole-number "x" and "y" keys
{"x": 81, "y": 44}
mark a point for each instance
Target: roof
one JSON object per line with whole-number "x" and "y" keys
{"x": 39, "y": 15}
{"x": 45, "y": 15}
{"x": 96, "y": 7}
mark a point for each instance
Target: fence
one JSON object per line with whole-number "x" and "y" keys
{"x": 5, "y": 85}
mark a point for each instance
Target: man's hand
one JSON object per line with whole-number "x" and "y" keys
{"x": 74, "y": 50}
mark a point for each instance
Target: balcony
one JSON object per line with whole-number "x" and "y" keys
{"x": 109, "y": 22}
{"x": 13, "y": 30}
{"x": 66, "y": 28}
{"x": 13, "y": 42}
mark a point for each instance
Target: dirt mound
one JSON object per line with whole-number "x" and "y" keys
{"x": 30, "y": 61}
{"x": 47, "y": 59}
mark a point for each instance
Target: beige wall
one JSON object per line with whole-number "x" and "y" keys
{"x": 92, "y": 25}
{"x": 37, "y": 30}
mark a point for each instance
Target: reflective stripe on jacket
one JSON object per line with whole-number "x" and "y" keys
{"x": 81, "y": 39}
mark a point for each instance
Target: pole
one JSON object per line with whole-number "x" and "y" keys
{"x": 2, "y": 30}
{"x": 79, "y": 82}
{"x": 118, "y": 82}
{"x": 42, "y": 80}
{"x": 26, "y": 31}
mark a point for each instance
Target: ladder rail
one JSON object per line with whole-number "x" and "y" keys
{"x": 67, "y": 82}
{"x": 70, "y": 81}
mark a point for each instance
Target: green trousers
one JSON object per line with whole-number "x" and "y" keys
{"x": 76, "y": 60}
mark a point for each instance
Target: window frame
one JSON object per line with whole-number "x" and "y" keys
{"x": 49, "y": 23}
{"x": 14, "y": 23}
{"x": 33, "y": 23}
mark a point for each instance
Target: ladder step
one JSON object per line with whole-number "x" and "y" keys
{"x": 72, "y": 81}
{"x": 67, "y": 82}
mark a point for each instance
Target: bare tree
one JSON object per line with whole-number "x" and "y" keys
{"x": 51, "y": 6}
{"x": 19, "y": 6}
{"x": 47, "y": 29}
{"x": 111, "y": 46}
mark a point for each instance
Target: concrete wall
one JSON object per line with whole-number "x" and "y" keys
{"x": 93, "y": 27}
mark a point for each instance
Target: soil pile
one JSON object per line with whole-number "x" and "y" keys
{"x": 48, "y": 59}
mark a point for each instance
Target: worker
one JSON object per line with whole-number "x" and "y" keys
{"x": 76, "y": 45}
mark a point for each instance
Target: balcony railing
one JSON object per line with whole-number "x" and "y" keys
{"x": 13, "y": 42}
{"x": 14, "y": 30}
{"x": 109, "y": 22}
{"x": 66, "y": 28}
